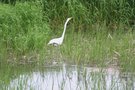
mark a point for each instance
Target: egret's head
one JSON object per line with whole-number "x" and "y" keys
{"x": 67, "y": 22}
{"x": 69, "y": 18}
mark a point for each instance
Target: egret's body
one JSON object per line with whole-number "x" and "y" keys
{"x": 59, "y": 41}
{"x": 56, "y": 41}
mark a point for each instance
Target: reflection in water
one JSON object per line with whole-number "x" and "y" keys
{"x": 73, "y": 78}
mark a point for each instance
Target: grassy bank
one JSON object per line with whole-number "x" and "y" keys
{"x": 100, "y": 33}
{"x": 100, "y": 48}
{"x": 22, "y": 29}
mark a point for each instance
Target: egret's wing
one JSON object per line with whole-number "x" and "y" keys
{"x": 54, "y": 41}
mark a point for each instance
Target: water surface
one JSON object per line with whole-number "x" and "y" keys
{"x": 67, "y": 77}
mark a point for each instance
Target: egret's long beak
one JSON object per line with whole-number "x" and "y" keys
{"x": 70, "y": 18}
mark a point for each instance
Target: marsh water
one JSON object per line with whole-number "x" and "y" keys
{"x": 65, "y": 77}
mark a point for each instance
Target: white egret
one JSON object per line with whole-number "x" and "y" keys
{"x": 59, "y": 41}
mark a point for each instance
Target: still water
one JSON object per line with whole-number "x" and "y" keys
{"x": 67, "y": 77}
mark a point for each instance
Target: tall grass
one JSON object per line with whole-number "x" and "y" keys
{"x": 100, "y": 49}
{"x": 22, "y": 28}
{"x": 97, "y": 48}
{"x": 91, "y": 11}
{"x": 100, "y": 32}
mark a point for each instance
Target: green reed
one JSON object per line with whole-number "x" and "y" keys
{"x": 90, "y": 11}
{"x": 22, "y": 28}
{"x": 99, "y": 34}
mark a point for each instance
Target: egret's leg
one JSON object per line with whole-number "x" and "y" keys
{"x": 58, "y": 54}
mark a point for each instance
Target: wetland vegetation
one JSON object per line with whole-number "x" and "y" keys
{"x": 101, "y": 34}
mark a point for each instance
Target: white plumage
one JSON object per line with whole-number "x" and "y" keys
{"x": 59, "y": 41}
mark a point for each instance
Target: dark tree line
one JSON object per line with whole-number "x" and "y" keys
{"x": 12, "y": 2}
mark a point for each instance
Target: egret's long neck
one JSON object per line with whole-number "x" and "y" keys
{"x": 65, "y": 25}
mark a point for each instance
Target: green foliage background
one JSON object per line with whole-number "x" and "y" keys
{"x": 27, "y": 25}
